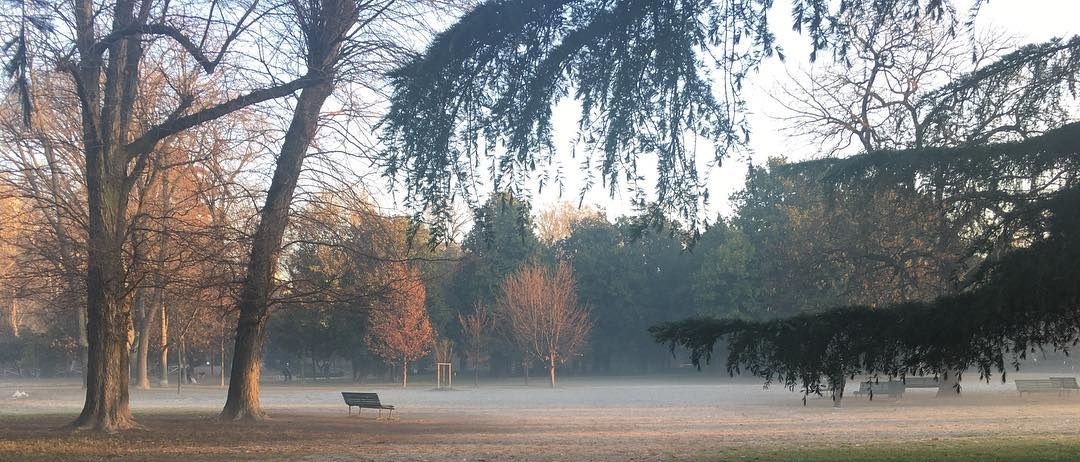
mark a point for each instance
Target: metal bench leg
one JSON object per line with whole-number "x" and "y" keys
{"x": 350, "y": 410}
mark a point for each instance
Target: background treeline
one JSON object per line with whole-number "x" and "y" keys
{"x": 790, "y": 246}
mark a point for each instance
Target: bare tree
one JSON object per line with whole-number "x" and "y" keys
{"x": 877, "y": 95}
{"x": 543, "y": 316}
{"x": 44, "y": 169}
{"x": 341, "y": 39}
{"x": 475, "y": 327}
{"x": 103, "y": 48}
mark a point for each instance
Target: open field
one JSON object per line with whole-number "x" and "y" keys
{"x": 701, "y": 418}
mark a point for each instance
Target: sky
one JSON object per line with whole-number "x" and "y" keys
{"x": 1028, "y": 21}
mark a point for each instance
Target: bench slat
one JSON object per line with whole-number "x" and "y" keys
{"x": 921, "y": 382}
{"x": 893, "y": 388}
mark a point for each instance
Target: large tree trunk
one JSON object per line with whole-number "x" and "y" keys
{"x": 106, "y": 120}
{"x": 243, "y": 398}
{"x": 108, "y": 325}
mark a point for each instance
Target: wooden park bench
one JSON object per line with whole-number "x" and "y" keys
{"x": 921, "y": 382}
{"x": 1067, "y": 383}
{"x": 364, "y": 400}
{"x": 894, "y": 388}
{"x": 1040, "y": 385}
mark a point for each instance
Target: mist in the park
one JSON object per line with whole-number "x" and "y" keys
{"x": 539, "y": 230}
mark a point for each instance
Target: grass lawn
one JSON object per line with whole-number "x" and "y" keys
{"x": 586, "y": 419}
{"x": 998, "y": 449}
{"x": 310, "y": 437}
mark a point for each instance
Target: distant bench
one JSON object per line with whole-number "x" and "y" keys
{"x": 1067, "y": 383}
{"x": 893, "y": 388}
{"x": 1053, "y": 384}
{"x": 364, "y": 400}
{"x": 921, "y": 382}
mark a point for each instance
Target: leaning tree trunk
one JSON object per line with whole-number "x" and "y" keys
{"x": 324, "y": 31}
{"x": 243, "y": 398}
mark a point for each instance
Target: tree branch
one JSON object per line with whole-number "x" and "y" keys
{"x": 145, "y": 143}
{"x": 157, "y": 29}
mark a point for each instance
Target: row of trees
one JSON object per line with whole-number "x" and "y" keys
{"x": 346, "y": 298}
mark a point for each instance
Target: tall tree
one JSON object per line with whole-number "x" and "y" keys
{"x": 340, "y": 38}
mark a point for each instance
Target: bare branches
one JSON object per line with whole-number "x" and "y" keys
{"x": 145, "y": 143}
{"x": 475, "y": 328}
{"x": 542, "y": 314}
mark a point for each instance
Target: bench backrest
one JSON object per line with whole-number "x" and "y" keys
{"x": 1068, "y": 383}
{"x": 921, "y": 382}
{"x": 1039, "y": 384}
{"x": 360, "y": 399}
{"x": 886, "y": 388}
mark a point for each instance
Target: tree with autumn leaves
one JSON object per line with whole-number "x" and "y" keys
{"x": 542, "y": 314}
{"x": 399, "y": 330}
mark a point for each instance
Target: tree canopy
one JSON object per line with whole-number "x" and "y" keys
{"x": 651, "y": 78}
{"x": 1021, "y": 297}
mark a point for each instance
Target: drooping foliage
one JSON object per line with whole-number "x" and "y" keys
{"x": 1020, "y": 95}
{"x": 651, "y": 78}
{"x": 1021, "y": 201}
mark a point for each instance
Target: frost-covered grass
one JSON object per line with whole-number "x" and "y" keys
{"x": 699, "y": 418}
